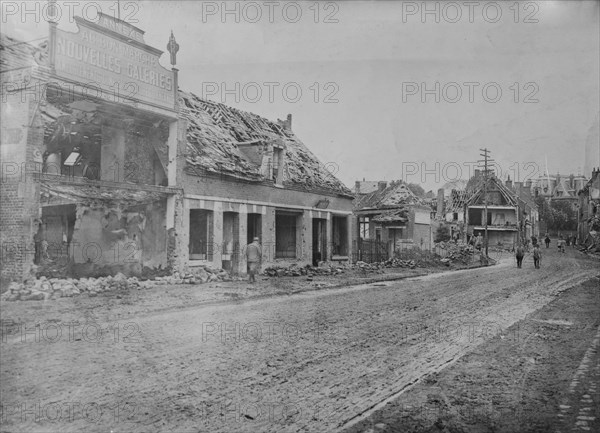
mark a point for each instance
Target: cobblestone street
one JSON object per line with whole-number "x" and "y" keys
{"x": 267, "y": 217}
{"x": 313, "y": 361}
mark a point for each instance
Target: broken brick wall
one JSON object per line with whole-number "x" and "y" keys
{"x": 21, "y": 141}
{"x": 139, "y": 156}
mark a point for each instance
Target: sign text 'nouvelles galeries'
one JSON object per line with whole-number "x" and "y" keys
{"x": 105, "y": 58}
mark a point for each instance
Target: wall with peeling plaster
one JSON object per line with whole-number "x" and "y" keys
{"x": 115, "y": 239}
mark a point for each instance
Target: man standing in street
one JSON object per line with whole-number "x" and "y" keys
{"x": 253, "y": 257}
{"x": 479, "y": 242}
{"x": 537, "y": 256}
{"x": 519, "y": 254}
{"x": 547, "y": 240}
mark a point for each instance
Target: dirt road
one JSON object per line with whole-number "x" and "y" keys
{"x": 315, "y": 361}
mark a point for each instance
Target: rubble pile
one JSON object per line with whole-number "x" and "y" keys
{"x": 591, "y": 244}
{"x": 53, "y": 288}
{"x": 391, "y": 263}
{"x": 330, "y": 269}
{"x": 456, "y": 252}
{"x": 296, "y": 271}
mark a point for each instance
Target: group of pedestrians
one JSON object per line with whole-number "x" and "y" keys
{"x": 537, "y": 254}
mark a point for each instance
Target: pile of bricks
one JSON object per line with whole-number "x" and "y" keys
{"x": 54, "y": 288}
{"x": 297, "y": 271}
{"x": 310, "y": 271}
{"x": 456, "y": 253}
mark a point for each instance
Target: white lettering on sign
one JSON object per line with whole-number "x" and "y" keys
{"x": 90, "y": 55}
{"x": 125, "y": 29}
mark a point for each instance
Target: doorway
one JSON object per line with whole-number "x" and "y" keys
{"x": 230, "y": 252}
{"x": 254, "y": 227}
{"x": 319, "y": 248}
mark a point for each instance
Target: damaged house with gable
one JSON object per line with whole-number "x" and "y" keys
{"x": 512, "y": 214}
{"x": 244, "y": 177}
{"x": 450, "y": 211}
{"x": 588, "y": 226}
{"x": 388, "y": 220}
{"x": 146, "y": 178}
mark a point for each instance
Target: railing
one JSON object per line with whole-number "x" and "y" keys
{"x": 370, "y": 251}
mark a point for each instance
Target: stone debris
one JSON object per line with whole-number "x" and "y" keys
{"x": 45, "y": 288}
{"x": 456, "y": 252}
{"x": 308, "y": 270}
{"x": 330, "y": 269}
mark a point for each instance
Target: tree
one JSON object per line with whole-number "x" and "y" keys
{"x": 442, "y": 234}
{"x": 557, "y": 214}
{"x": 565, "y": 218}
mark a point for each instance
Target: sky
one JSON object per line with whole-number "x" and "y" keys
{"x": 361, "y": 78}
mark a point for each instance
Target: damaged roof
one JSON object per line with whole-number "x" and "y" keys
{"x": 215, "y": 132}
{"x": 494, "y": 184}
{"x": 391, "y": 216}
{"x": 396, "y": 195}
{"x": 15, "y": 54}
{"x": 457, "y": 201}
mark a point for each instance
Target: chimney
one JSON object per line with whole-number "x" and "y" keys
{"x": 508, "y": 182}
{"x": 381, "y": 185}
{"x": 518, "y": 186}
{"x": 440, "y": 203}
{"x": 357, "y": 187}
{"x": 572, "y": 182}
{"x": 287, "y": 123}
{"x": 477, "y": 173}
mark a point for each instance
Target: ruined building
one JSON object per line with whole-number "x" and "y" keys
{"x": 588, "y": 216}
{"x": 108, "y": 167}
{"x": 512, "y": 215}
{"x": 388, "y": 220}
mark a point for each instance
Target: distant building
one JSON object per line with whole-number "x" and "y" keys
{"x": 512, "y": 214}
{"x": 451, "y": 211}
{"x": 557, "y": 186}
{"x": 366, "y": 186}
{"x": 589, "y": 209}
{"x": 392, "y": 218}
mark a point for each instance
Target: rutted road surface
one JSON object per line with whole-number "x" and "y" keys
{"x": 315, "y": 361}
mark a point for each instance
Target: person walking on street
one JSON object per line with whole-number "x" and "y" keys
{"x": 479, "y": 242}
{"x": 254, "y": 258}
{"x": 519, "y": 254}
{"x": 533, "y": 240}
{"x": 560, "y": 243}
{"x": 547, "y": 240}
{"x": 574, "y": 240}
{"x": 537, "y": 256}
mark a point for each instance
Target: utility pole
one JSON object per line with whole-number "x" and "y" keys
{"x": 486, "y": 160}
